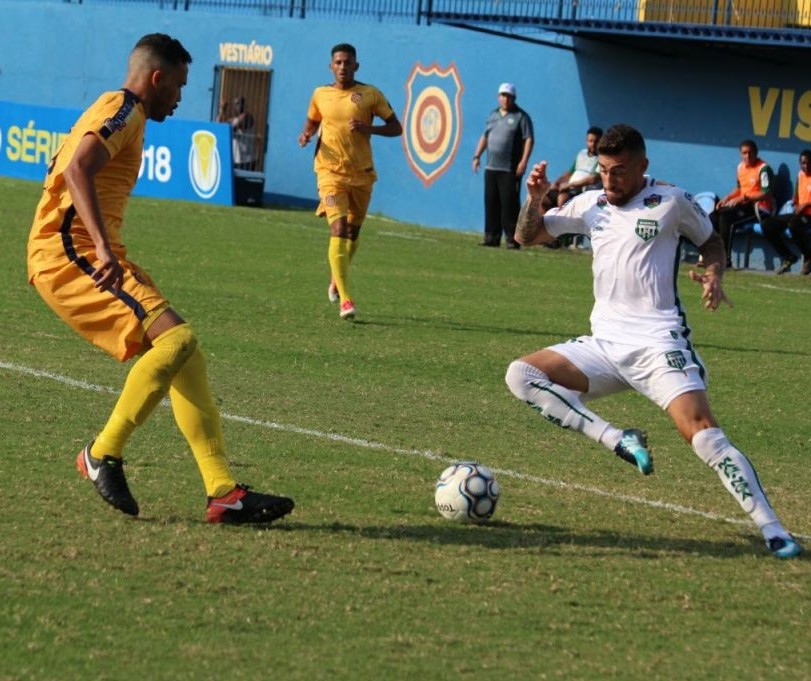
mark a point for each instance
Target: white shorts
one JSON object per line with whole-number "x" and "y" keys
{"x": 660, "y": 374}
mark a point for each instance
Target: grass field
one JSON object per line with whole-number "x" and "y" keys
{"x": 588, "y": 570}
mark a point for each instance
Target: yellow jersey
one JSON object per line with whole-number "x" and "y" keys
{"x": 117, "y": 119}
{"x": 340, "y": 151}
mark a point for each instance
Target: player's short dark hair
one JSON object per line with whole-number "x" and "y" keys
{"x": 805, "y": 153}
{"x": 620, "y": 138}
{"x": 594, "y": 130}
{"x": 166, "y": 48}
{"x": 749, "y": 143}
{"x": 345, "y": 47}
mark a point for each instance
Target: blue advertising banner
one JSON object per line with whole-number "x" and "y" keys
{"x": 189, "y": 160}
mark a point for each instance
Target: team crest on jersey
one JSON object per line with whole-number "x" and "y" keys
{"x": 432, "y": 120}
{"x": 652, "y": 200}
{"x": 602, "y": 201}
{"x": 356, "y": 98}
{"x": 647, "y": 229}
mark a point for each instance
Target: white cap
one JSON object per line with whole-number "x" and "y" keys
{"x": 506, "y": 89}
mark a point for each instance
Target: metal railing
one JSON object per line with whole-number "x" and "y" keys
{"x": 756, "y": 14}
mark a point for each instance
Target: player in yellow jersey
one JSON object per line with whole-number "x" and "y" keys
{"x": 343, "y": 114}
{"x": 78, "y": 264}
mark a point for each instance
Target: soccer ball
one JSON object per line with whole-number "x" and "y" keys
{"x": 467, "y": 492}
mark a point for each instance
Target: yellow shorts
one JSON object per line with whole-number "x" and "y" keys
{"x": 339, "y": 201}
{"x": 115, "y": 322}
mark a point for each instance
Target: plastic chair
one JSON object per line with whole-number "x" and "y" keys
{"x": 706, "y": 200}
{"x": 754, "y": 228}
{"x": 787, "y": 208}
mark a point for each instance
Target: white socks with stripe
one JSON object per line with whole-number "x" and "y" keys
{"x": 739, "y": 477}
{"x": 564, "y": 408}
{"x": 557, "y": 404}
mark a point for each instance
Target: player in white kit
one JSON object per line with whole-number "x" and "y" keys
{"x": 640, "y": 339}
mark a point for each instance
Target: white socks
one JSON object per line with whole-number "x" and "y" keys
{"x": 564, "y": 408}
{"x": 557, "y": 404}
{"x": 739, "y": 477}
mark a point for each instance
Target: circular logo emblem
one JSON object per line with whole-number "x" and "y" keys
{"x": 205, "y": 168}
{"x": 433, "y": 121}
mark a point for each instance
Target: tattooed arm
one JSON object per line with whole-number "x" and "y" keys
{"x": 530, "y": 229}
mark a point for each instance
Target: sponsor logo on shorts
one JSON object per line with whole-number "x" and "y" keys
{"x": 647, "y": 229}
{"x": 140, "y": 279}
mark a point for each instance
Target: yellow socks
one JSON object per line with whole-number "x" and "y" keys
{"x": 339, "y": 257}
{"x": 175, "y": 365}
{"x": 146, "y": 385}
{"x": 199, "y": 420}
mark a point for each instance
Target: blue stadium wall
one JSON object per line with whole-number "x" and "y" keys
{"x": 694, "y": 105}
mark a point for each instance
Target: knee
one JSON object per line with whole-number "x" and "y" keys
{"x": 187, "y": 340}
{"x": 688, "y": 431}
{"x": 179, "y": 342}
{"x": 710, "y": 444}
{"x": 519, "y": 378}
{"x": 515, "y": 379}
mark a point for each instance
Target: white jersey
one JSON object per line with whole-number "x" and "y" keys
{"x": 635, "y": 259}
{"x": 585, "y": 165}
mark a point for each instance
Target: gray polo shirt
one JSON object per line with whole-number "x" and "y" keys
{"x": 505, "y": 138}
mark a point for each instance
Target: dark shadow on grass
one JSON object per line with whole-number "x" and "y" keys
{"x": 759, "y": 351}
{"x": 451, "y": 325}
{"x": 555, "y": 336}
{"x": 504, "y": 536}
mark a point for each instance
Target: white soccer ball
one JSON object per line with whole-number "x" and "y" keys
{"x": 467, "y": 492}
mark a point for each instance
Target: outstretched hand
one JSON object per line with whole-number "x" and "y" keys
{"x": 713, "y": 292}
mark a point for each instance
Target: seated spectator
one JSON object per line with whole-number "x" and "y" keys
{"x": 583, "y": 173}
{"x": 752, "y": 198}
{"x": 798, "y": 223}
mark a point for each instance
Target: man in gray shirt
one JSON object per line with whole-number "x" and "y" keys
{"x": 508, "y": 138}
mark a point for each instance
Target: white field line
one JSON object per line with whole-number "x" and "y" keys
{"x": 784, "y": 289}
{"x": 424, "y": 453}
{"x": 400, "y": 235}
